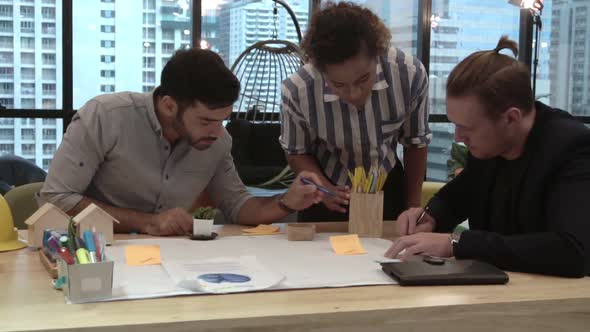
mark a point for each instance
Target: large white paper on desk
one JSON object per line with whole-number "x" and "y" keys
{"x": 304, "y": 264}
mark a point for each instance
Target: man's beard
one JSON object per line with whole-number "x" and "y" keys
{"x": 200, "y": 144}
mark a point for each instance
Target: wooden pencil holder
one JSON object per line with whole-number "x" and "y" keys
{"x": 50, "y": 266}
{"x": 365, "y": 216}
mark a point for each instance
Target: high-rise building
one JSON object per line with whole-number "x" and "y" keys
{"x": 401, "y": 18}
{"x": 245, "y": 22}
{"x": 119, "y": 51}
{"x": 210, "y": 29}
{"x": 30, "y": 77}
{"x": 570, "y": 56}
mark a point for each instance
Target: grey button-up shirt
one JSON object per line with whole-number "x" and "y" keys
{"x": 114, "y": 151}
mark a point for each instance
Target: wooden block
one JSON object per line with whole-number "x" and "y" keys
{"x": 300, "y": 232}
{"x": 93, "y": 215}
{"x": 49, "y": 266}
{"x": 47, "y": 216}
{"x": 366, "y": 214}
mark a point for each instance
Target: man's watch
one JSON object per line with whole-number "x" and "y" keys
{"x": 455, "y": 237}
{"x": 284, "y": 206}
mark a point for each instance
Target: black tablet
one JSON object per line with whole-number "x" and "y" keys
{"x": 431, "y": 271}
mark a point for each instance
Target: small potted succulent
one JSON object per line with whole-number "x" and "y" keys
{"x": 203, "y": 220}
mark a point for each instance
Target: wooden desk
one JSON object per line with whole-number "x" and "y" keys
{"x": 528, "y": 302}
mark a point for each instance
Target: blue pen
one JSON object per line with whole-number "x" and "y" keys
{"x": 320, "y": 188}
{"x": 89, "y": 240}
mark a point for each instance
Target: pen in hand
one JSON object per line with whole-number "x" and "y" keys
{"x": 320, "y": 188}
{"x": 421, "y": 219}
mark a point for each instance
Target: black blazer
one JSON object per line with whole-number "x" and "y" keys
{"x": 550, "y": 203}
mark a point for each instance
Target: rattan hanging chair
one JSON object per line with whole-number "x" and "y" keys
{"x": 261, "y": 69}
{"x": 255, "y": 121}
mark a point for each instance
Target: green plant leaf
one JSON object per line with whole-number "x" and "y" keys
{"x": 458, "y": 159}
{"x": 206, "y": 212}
{"x": 459, "y": 153}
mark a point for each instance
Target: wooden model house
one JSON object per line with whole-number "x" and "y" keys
{"x": 47, "y": 216}
{"x": 93, "y": 215}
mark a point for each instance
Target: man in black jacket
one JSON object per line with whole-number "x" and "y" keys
{"x": 526, "y": 187}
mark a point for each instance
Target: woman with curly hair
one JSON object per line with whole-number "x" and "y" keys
{"x": 350, "y": 105}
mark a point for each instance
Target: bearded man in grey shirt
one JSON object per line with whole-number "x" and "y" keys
{"x": 144, "y": 158}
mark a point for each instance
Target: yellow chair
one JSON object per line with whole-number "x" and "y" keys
{"x": 22, "y": 202}
{"x": 8, "y": 234}
{"x": 431, "y": 188}
{"x": 428, "y": 190}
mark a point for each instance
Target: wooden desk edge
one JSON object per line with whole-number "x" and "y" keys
{"x": 568, "y": 315}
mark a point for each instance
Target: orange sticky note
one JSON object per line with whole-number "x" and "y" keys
{"x": 262, "y": 230}
{"x": 142, "y": 255}
{"x": 347, "y": 245}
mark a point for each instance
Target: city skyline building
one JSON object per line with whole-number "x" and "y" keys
{"x": 569, "y": 58}
{"x": 30, "y": 77}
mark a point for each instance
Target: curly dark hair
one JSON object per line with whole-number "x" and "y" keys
{"x": 339, "y": 32}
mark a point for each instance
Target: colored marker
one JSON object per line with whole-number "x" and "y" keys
{"x": 63, "y": 241}
{"x": 65, "y": 255}
{"x": 66, "y": 242}
{"x": 89, "y": 240}
{"x": 46, "y": 236}
{"x": 82, "y": 255}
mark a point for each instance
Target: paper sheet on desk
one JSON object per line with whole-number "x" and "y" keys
{"x": 305, "y": 264}
{"x": 222, "y": 275}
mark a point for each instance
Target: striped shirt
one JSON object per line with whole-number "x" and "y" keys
{"x": 317, "y": 122}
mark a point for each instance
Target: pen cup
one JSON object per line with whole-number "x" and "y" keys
{"x": 86, "y": 282}
{"x": 365, "y": 216}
